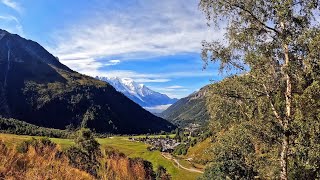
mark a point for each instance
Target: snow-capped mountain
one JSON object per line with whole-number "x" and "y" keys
{"x": 140, "y": 94}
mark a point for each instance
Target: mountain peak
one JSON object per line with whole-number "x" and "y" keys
{"x": 3, "y": 33}
{"x": 27, "y": 51}
{"x": 142, "y": 85}
{"x": 139, "y": 93}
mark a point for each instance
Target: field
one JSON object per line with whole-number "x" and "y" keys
{"x": 131, "y": 149}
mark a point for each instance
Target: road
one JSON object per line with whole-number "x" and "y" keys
{"x": 169, "y": 156}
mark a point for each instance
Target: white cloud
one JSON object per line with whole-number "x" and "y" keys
{"x": 112, "y": 62}
{"x": 173, "y": 91}
{"x": 148, "y": 80}
{"x": 90, "y": 67}
{"x": 86, "y": 66}
{"x": 115, "y": 61}
{"x": 158, "y": 109}
{"x": 11, "y": 24}
{"x": 12, "y": 4}
{"x": 170, "y": 90}
{"x": 175, "y": 87}
{"x": 142, "y": 30}
{"x": 149, "y": 28}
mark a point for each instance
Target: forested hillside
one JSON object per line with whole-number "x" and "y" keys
{"x": 12, "y": 126}
{"x": 188, "y": 110}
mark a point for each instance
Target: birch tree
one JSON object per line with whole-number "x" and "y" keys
{"x": 276, "y": 42}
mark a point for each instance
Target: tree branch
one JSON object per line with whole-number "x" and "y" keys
{"x": 255, "y": 18}
{"x": 276, "y": 114}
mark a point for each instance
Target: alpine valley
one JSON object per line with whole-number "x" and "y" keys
{"x": 36, "y": 88}
{"x": 259, "y": 118}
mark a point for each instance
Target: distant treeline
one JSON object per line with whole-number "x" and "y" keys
{"x": 13, "y": 126}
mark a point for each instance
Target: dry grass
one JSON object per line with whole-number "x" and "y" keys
{"x": 38, "y": 163}
{"x": 38, "y": 159}
{"x": 119, "y": 166}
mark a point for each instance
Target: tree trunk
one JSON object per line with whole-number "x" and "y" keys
{"x": 287, "y": 119}
{"x": 284, "y": 157}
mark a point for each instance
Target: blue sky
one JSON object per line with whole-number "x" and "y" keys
{"x": 157, "y": 43}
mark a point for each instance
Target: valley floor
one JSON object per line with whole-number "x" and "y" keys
{"x": 130, "y": 148}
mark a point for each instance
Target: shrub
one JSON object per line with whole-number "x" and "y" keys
{"x": 86, "y": 153}
{"x": 37, "y": 144}
{"x": 161, "y": 174}
{"x": 181, "y": 149}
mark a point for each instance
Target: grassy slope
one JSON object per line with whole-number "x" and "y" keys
{"x": 132, "y": 149}
{"x": 200, "y": 152}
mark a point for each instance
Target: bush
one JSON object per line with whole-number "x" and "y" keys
{"x": 86, "y": 153}
{"x": 181, "y": 149}
{"x": 161, "y": 174}
{"x": 37, "y": 144}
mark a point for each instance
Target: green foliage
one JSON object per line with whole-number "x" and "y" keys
{"x": 85, "y": 154}
{"x": 13, "y": 126}
{"x": 161, "y": 174}
{"x": 179, "y": 135}
{"x": 234, "y": 156}
{"x": 201, "y": 153}
{"x": 187, "y": 142}
{"x": 85, "y": 141}
{"x": 38, "y": 144}
{"x": 306, "y": 152}
{"x": 238, "y": 123}
{"x": 181, "y": 149}
{"x": 193, "y": 142}
{"x": 275, "y": 47}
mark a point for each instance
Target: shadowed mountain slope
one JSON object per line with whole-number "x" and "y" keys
{"x": 191, "y": 109}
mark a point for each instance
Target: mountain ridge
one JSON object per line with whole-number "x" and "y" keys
{"x": 189, "y": 110}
